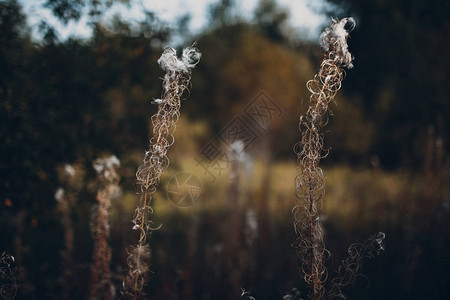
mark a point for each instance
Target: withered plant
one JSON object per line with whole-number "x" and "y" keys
{"x": 148, "y": 175}
{"x": 65, "y": 197}
{"x": 310, "y": 180}
{"x": 9, "y": 277}
{"x": 101, "y": 285}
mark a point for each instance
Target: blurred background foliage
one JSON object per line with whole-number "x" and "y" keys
{"x": 70, "y": 101}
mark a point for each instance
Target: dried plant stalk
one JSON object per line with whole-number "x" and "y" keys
{"x": 65, "y": 211}
{"x": 101, "y": 285}
{"x": 9, "y": 277}
{"x": 175, "y": 82}
{"x": 310, "y": 150}
{"x": 350, "y": 268}
{"x": 64, "y": 199}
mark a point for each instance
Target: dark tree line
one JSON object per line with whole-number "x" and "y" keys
{"x": 401, "y": 74}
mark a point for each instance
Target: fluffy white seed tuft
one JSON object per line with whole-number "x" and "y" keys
{"x": 334, "y": 38}
{"x": 171, "y": 64}
{"x": 101, "y": 164}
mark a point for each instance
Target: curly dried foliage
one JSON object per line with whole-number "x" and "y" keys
{"x": 175, "y": 83}
{"x": 310, "y": 150}
{"x": 101, "y": 285}
{"x": 350, "y": 268}
{"x": 293, "y": 294}
{"x": 9, "y": 276}
{"x": 246, "y": 295}
{"x": 64, "y": 210}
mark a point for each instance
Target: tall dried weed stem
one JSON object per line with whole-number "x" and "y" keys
{"x": 65, "y": 198}
{"x": 67, "y": 254}
{"x": 310, "y": 181}
{"x": 101, "y": 285}
{"x": 310, "y": 150}
{"x": 9, "y": 277}
{"x": 350, "y": 268}
{"x": 175, "y": 82}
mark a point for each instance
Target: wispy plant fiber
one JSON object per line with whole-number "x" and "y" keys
{"x": 175, "y": 82}
{"x": 310, "y": 150}
{"x": 101, "y": 285}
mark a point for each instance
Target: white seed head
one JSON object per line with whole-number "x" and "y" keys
{"x": 59, "y": 194}
{"x": 237, "y": 146}
{"x": 69, "y": 170}
{"x": 157, "y": 101}
{"x": 171, "y": 64}
{"x": 334, "y": 38}
{"x": 108, "y": 163}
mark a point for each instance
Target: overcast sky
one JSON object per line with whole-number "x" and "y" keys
{"x": 302, "y": 17}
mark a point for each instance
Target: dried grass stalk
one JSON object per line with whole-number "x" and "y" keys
{"x": 101, "y": 285}
{"x": 310, "y": 150}
{"x": 148, "y": 175}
